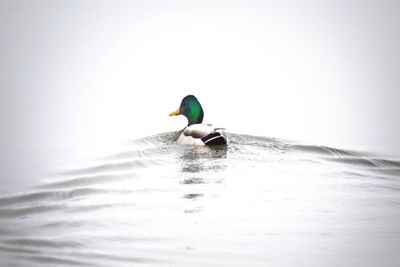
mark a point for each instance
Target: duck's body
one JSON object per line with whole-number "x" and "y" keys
{"x": 196, "y": 132}
{"x": 202, "y": 134}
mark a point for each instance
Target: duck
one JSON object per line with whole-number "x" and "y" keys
{"x": 196, "y": 132}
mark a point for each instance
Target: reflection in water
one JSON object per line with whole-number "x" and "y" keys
{"x": 249, "y": 204}
{"x": 197, "y": 159}
{"x": 198, "y": 162}
{"x": 193, "y": 196}
{"x": 193, "y": 180}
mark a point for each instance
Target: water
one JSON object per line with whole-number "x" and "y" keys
{"x": 258, "y": 202}
{"x": 78, "y": 78}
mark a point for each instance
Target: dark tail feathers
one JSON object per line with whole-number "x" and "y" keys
{"x": 214, "y": 138}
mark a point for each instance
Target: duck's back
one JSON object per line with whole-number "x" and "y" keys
{"x": 202, "y": 134}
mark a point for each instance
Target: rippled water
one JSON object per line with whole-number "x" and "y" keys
{"x": 257, "y": 202}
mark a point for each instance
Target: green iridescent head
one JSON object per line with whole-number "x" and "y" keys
{"x": 191, "y": 109}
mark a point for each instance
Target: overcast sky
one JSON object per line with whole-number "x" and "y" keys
{"x": 78, "y": 75}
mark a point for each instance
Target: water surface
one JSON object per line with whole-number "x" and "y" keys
{"x": 257, "y": 202}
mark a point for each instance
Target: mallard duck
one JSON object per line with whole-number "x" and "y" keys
{"x": 196, "y": 132}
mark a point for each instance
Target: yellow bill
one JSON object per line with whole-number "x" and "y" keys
{"x": 176, "y": 112}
